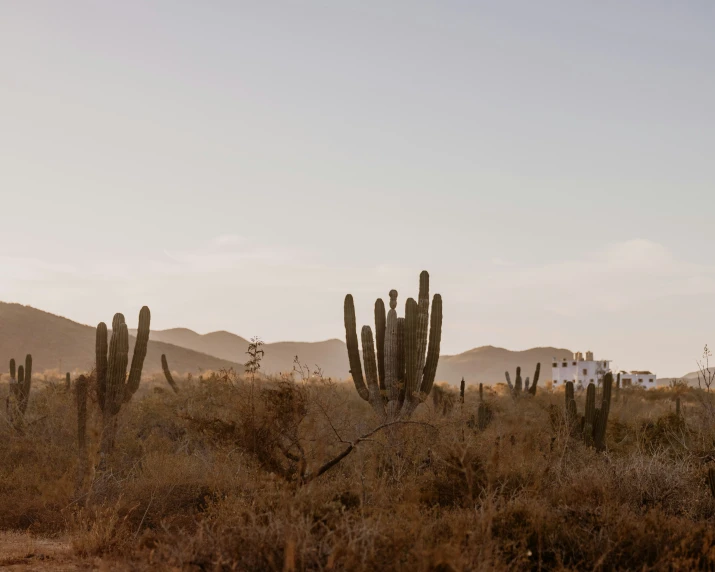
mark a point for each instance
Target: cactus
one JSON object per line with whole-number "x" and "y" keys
{"x": 401, "y": 375}
{"x": 140, "y": 347}
{"x": 167, "y": 374}
{"x": 113, "y": 387}
{"x": 594, "y": 422}
{"x": 519, "y": 387}
{"x": 599, "y": 430}
{"x": 535, "y": 380}
{"x": 711, "y": 480}
{"x": 461, "y": 392}
{"x": 518, "y": 383}
{"x": 12, "y": 369}
{"x": 68, "y": 382}
{"x": 571, "y": 412}
{"x": 484, "y": 412}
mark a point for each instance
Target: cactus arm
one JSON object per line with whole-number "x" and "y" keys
{"x": 411, "y": 348}
{"x": 518, "y": 382}
{"x": 508, "y": 381}
{"x": 353, "y": 351}
{"x": 167, "y": 374}
{"x": 371, "y": 375}
{"x": 380, "y": 319}
{"x": 590, "y": 415}
{"x": 421, "y": 328}
{"x": 392, "y": 361}
{"x": 117, "y": 370}
{"x": 25, "y": 385}
{"x": 140, "y": 348}
{"x": 401, "y": 365}
{"x": 537, "y": 373}
{"x": 602, "y": 421}
{"x": 435, "y": 339}
{"x": 101, "y": 363}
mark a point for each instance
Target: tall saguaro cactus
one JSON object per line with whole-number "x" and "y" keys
{"x": 401, "y": 375}
{"x": 113, "y": 386}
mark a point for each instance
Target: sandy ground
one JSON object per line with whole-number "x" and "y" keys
{"x": 20, "y": 551}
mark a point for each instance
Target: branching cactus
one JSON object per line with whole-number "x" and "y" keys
{"x": 167, "y": 374}
{"x": 518, "y": 387}
{"x": 113, "y": 386}
{"x": 594, "y": 422}
{"x": 401, "y": 375}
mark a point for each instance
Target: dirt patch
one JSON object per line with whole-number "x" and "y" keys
{"x": 20, "y": 551}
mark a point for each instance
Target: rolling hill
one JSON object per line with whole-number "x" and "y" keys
{"x": 330, "y": 355}
{"x": 487, "y": 364}
{"x": 59, "y": 343}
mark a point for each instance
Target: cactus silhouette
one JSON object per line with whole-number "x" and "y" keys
{"x": 167, "y": 374}
{"x": 113, "y": 386}
{"x": 401, "y": 362}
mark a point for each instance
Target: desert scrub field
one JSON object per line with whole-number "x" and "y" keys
{"x": 223, "y": 475}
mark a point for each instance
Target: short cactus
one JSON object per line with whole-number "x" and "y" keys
{"x": 68, "y": 382}
{"x": 484, "y": 412}
{"x": 594, "y": 422}
{"x": 401, "y": 375}
{"x": 518, "y": 387}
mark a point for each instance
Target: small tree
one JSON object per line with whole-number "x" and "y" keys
{"x": 255, "y": 353}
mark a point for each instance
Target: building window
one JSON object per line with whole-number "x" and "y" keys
{"x": 640, "y": 380}
{"x": 591, "y": 381}
{"x": 555, "y": 365}
{"x": 574, "y": 363}
{"x": 563, "y": 364}
{"x": 585, "y": 372}
{"x": 650, "y": 381}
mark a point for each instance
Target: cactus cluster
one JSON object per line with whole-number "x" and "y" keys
{"x": 400, "y": 374}
{"x": 19, "y": 394}
{"x": 114, "y": 387}
{"x": 594, "y": 422}
{"x": 519, "y": 387}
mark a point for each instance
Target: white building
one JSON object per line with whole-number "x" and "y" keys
{"x": 584, "y": 371}
{"x": 639, "y": 378}
{"x": 579, "y": 370}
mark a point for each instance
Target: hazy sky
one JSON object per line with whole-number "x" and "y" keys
{"x": 242, "y": 166}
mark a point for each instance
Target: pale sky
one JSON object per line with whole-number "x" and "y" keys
{"x": 242, "y": 166}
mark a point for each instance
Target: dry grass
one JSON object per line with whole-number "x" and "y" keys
{"x": 214, "y": 479}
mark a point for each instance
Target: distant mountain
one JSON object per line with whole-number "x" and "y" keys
{"x": 487, "y": 364}
{"x": 481, "y": 365}
{"x": 59, "y": 343}
{"x": 329, "y": 355}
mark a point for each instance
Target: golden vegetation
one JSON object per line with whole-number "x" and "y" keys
{"x": 226, "y": 475}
